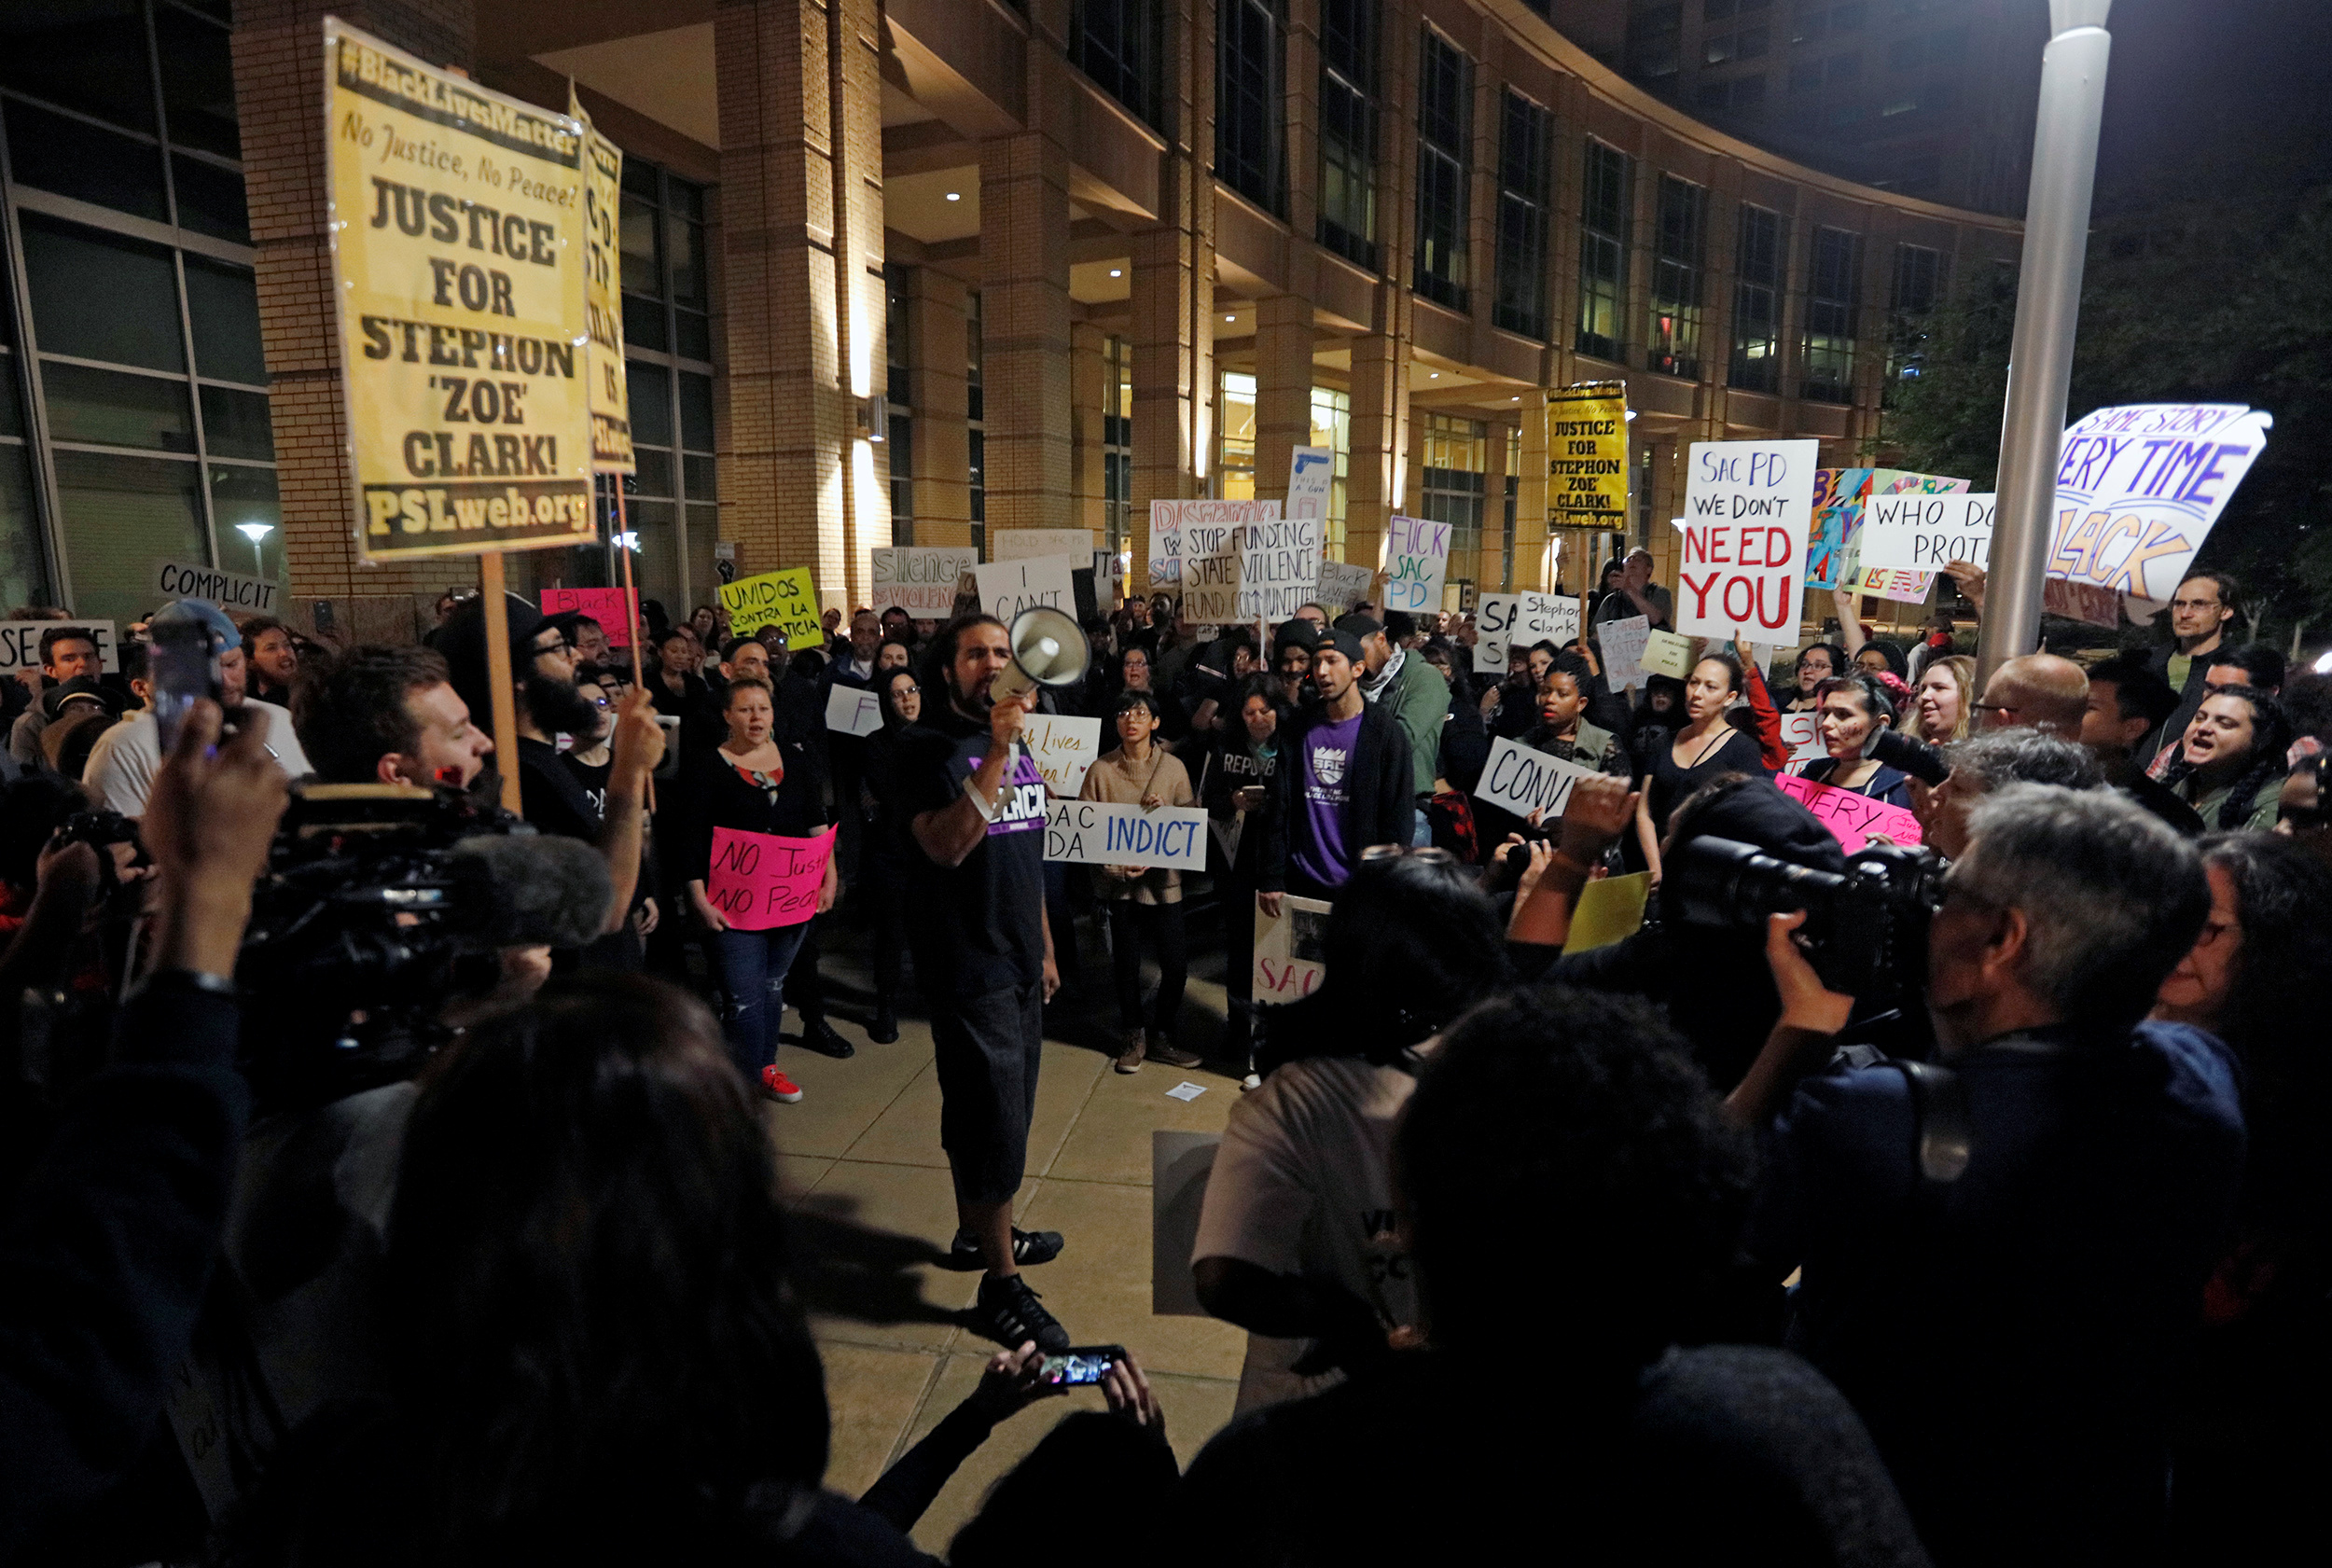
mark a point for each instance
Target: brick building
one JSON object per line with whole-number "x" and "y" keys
{"x": 1088, "y": 252}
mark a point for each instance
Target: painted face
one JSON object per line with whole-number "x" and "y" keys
{"x": 1843, "y": 725}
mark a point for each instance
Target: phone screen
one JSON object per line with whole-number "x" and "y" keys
{"x": 1081, "y": 1364}
{"x": 183, "y": 667}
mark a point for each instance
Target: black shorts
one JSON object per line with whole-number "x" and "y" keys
{"x": 987, "y": 1050}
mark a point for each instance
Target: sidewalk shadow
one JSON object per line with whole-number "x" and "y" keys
{"x": 846, "y": 1269}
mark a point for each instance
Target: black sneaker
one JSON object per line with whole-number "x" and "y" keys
{"x": 1011, "y": 1315}
{"x": 884, "y": 1031}
{"x": 1028, "y": 1248}
{"x": 819, "y": 1035}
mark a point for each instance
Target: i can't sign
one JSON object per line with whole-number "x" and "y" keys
{"x": 1747, "y": 509}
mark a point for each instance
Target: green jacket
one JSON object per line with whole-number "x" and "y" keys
{"x": 1419, "y": 701}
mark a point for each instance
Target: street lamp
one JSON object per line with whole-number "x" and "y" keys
{"x": 2047, "y": 311}
{"x": 254, "y": 531}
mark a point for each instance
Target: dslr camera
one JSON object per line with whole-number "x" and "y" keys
{"x": 1866, "y": 931}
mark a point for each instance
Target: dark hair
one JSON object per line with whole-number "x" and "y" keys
{"x": 806, "y": 662}
{"x": 2231, "y": 592}
{"x": 677, "y": 632}
{"x": 938, "y": 673}
{"x": 69, "y": 739}
{"x": 31, "y": 809}
{"x": 259, "y": 627}
{"x": 1543, "y": 645}
{"x": 2138, "y": 691}
{"x": 747, "y": 683}
{"x": 729, "y": 649}
{"x": 2263, "y": 765}
{"x": 1838, "y": 661}
{"x": 1574, "y": 665}
{"x": 1877, "y": 702}
{"x": 1584, "y": 1110}
{"x": 55, "y": 634}
{"x": 1130, "y": 700}
{"x": 1087, "y": 1454}
{"x": 886, "y": 688}
{"x": 1732, "y": 665}
{"x": 1604, "y": 579}
{"x": 133, "y": 658}
{"x": 1265, "y": 687}
{"x": 2262, "y": 663}
{"x": 349, "y": 710}
{"x": 592, "y": 1335}
{"x": 579, "y": 618}
{"x": 1887, "y": 649}
{"x": 1399, "y": 626}
{"x": 2307, "y": 699}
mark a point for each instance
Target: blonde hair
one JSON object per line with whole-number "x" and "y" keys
{"x": 1962, "y": 670}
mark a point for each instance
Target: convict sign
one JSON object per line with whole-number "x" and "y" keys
{"x": 1747, "y": 509}
{"x": 2138, "y": 489}
{"x": 457, "y": 225}
{"x": 1524, "y": 781}
{"x": 1094, "y": 833}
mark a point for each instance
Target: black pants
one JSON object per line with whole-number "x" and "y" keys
{"x": 805, "y": 988}
{"x": 1131, "y": 927}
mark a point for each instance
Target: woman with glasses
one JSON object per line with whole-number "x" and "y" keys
{"x": 1145, "y": 902}
{"x": 1235, "y": 787}
{"x": 881, "y": 871}
{"x": 2230, "y": 766}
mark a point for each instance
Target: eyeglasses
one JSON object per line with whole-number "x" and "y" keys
{"x": 2194, "y": 603}
{"x": 910, "y": 690}
{"x": 1996, "y": 708}
{"x": 564, "y": 645}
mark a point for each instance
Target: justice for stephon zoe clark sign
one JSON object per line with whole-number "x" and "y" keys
{"x": 458, "y": 239}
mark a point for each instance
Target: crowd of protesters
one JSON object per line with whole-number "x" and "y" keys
{"x": 2009, "y": 1245}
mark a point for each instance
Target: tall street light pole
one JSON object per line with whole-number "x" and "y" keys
{"x": 2048, "y": 311}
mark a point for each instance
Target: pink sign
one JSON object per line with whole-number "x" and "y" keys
{"x": 762, "y": 881}
{"x": 1851, "y": 816}
{"x": 609, "y": 606}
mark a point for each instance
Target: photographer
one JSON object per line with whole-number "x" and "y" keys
{"x": 106, "y": 1248}
{"x": 1990, "y": 760}
{"x": 2001, "y": 1257}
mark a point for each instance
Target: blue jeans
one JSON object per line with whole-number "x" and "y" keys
{"x": 750, "y": 967}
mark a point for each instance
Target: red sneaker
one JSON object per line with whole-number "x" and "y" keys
{"x": 778, "y": 1087}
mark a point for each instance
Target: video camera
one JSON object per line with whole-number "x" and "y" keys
{"x": 1865, "y": 930}
{"x": 380, "y": 903}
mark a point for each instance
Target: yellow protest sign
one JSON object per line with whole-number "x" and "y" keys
{"x": 785, "y": 599}
{"x": 603, "y": 298}
{"x": 457, "y": 225}
{"x": 1587, "y": 454}
{"x": 1610, "y": 909}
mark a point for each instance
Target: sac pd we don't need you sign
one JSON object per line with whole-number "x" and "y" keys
{"x": 1748, "y": 506}
{"x": 458, "y": 242}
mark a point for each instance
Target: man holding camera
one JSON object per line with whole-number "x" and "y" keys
{"x": 2001, "y": 1255}
{"x": 974, "y": 802}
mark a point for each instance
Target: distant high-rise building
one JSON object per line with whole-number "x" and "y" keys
{"x": 1931, "y": 98}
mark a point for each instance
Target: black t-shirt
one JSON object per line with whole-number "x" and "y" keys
{"x": 1668, "y": 783}
{"x": 551, "y": 797}
{"x": 592, "y": 778}
{"x": 977, "y": 927}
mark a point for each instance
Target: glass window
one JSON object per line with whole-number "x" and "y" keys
{"x": 1116, "y": 442}
{"x": 1445, "y": 136}
{"x": 1332, "y": 428}
{"x": 1234, "y": 466}
{"x": 1249, "y": 62}
{"x": 237, "y": 425}
{"x": 1604, "y": 251}
{"x": 111, "y": 408}
{"x": 99, "y": 296}
{"x": 198, "y": 82}
{"x": 223, "y": 304}
{"x": 88, "y": 56}
{"x": 73, "y": 158}
{"x": 1676, "y": 269}
{"x": 122, "y": 515}
{"x": 1525, "y": 133}
{"x": 696, "y": 411}
{"x": 242, "y": 495}
{"x": 1347, "y": 129}
{"x": 22, "y": 577}
{"x": 650, "y": 388}
{"x": 1455, "y": 481}
{"x": 1116, "y": 42}
{"x": 1757, "y": 264}
{"x": 1832, "y": 293}
{"x": 211, "y": 201}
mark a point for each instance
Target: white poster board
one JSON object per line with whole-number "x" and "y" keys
{"x": 1290, "y": 949}
{"x": 1622, "y": 643}
{"x": 1023, "y": 543}
{"x": 1802, "y": 736}
{"x": 852, "y": 709}
{"x": 1009, "y": 587}
{"x": 1504, "y": 620}
{"x": 1748, "y": 506}
{"x": 1919, "y": 533}
{"x": 919, "y": 579}
{"x": 1310, "y": 472}
{"x": 2139, "y": 488}
{"x": 228, "y": 591}
{"x": 1416, "y": 563}
{"x": 1524, "y": 781}
{"x": 1279, "y": 565}
{"x": 1342, "y": 587}
{"x": 19, "y": 643}
{"x": 1093, "y": 833}
{"x": 1064, "y": 748}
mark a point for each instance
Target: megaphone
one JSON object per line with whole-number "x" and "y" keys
{"x": 1048, "y": 648}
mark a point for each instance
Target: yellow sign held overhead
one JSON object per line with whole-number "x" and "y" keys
{"x": 785, "y": 599}
{"x": 458, "y": 239}
{"x": 603, "y": 298}
{"x": 1587, "y": 454}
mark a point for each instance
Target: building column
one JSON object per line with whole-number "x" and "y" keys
{"x": 939, "y": 382}
{"x": 1375, "y": 486}
{"x": 800, "y": 103}
{"x": 1283, "y": 389}
{"x": 1024, "y": 323}
{"x": 1531, "y": 566}
{"x": 278, "y": 56}
{"x": 1300, "y": 97}
{"x": 1088, "y": 369}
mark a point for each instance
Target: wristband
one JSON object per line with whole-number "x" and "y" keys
{"x": 986, "y": 808}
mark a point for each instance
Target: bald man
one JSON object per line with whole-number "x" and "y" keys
{"x": 2039, "y": 689}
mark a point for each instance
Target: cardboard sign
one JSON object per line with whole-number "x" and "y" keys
{"x": 1171, "y": 520}
{"x": 602, "y": 297}
{"x": 1610, "y": 909}
{"x": 1748, "y": 507}
{"x": 1290, "y": 949}
{"x": 1279, "y": 564}
{"x": 1342, "y": 587}
{"x": 1416, "y": 563}
{"x": 1025, "y": 544}
{"x": 19, "y": 643}
{"x": 918, "y": 580}
{"x": 1894, "y": 584}
{"x": 1510, "y": 621}
{"x": 615, "y": 611}
{"x": 1923, "y": 533}
{"x": 1065, "y": 749}
{"x": 1622, "y": 643}
{"x": 1311, "y": 474}
{"x": 852, "y": 709}
{"x": 1851, "y": 818}
{"x": 1587, "y": 454}
{"x": 1009, "y": 587}
{"x": 456, "y": 216}
{"x": 1801, "y": 733}
{"x": 1667, "y": 654}
{"x": 228, "y": 591}
{"x": 2139, "y": 488}
{"x": 1210, "y": 571}
{"x": 1094, "y": 833}
{"x": 787, "y": 598}
{"x": 1524, "y": 781}
{"x": 760, "y": 881}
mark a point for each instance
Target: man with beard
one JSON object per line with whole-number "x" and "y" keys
{"x": 974, "y": 803}
{"x": 551, "y": 796}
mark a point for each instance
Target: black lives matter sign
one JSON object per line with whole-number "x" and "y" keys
{"x": 458, "y": 227}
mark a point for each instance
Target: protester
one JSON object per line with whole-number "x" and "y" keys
{"x": 272, "y": 658}
{"x": 1292, "y": 647}
{"x": 1816, "y": 662}
{"x": 1344, "y": 784}
{"x": 2038, "y": 690}
{"x": 883, "y": 869}
{"x": 2202, "y": 609}
{"x": 1942, "y": 703}
{"x": 67, "y": 653}
{"x": 1580, "y": 1116}
{"x": 2038, "y": 1215}
{"x": 972, "y": 800}
{"x": 1144, "y": 903}
{"x": 1235, "y": 787}
{"x": 1936, "y": 644}
{"x": 1989, "y": 761}
{"x": 2300, "y": 808}
{"x": 1854, "y": 711}
{"x": 2254, "y": 664}
{"x": 1635, "y": 594}
{"x": 1419, "y": 703}
{"x": 121, "y": 766}
{"x": 1562, "y": 729}
{"x": 1135, "y": 674}
{"x": 2230, "y": 766}
{"x": 1703, "y": 747}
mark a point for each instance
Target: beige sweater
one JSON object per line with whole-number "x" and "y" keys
{"x": 1116, "y": 780}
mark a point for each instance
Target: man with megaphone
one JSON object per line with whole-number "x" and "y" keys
{"x": 974, "y": 802}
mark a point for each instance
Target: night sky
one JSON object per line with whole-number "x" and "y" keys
{"x": 2218, "y": 90}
